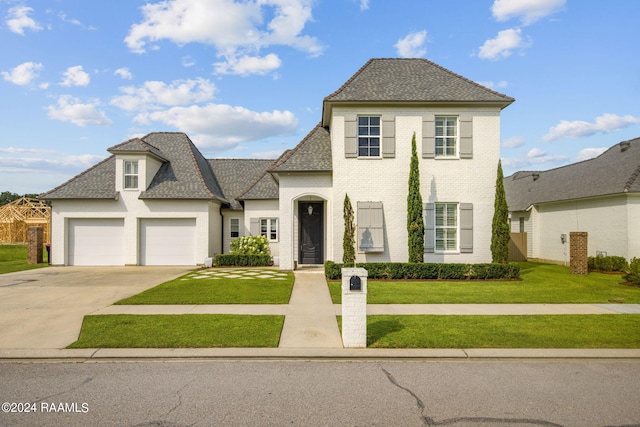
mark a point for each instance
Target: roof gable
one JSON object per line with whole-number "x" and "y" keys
{"x": 136, "y": 145}
{"x": 414, "y": 80}
{"x": 312, "y": 154}
{"x": 616, "y": 171}
{"x": 97, "y": 182}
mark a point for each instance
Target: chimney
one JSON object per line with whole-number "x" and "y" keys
{"x": 625, "y": 145}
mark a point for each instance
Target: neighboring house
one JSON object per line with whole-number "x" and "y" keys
{"x": 600, "y": 196}
{"x": 156, "y": 200}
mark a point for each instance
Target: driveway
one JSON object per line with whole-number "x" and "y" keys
{"x": 44, "y": 308}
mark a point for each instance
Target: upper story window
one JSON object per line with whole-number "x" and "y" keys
{"x": 234, "y": 225}
{"x": 369, "y": 136}
{"x": 446, "y": 136}
{"x": 131, "y": 174}
{"x": 446, "y": 227}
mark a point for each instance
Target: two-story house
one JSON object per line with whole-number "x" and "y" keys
{"x": 156, "y": 200}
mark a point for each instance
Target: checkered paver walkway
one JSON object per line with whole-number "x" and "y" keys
{"x": 241, "y": 273}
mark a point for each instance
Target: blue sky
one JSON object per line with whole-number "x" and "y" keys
{"x": 247, "y": 78}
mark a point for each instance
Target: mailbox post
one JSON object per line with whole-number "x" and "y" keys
{"x": 354, "y": 307}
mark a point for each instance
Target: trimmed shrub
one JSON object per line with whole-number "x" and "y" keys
{"x": 633, "y": 272}
{"x": 607, "y": 263}
{"x": 250, "y": 245}
{"x": 234, "y": 260}
{"x": 429, "y": 271}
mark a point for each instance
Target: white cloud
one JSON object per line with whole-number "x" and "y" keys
{"x": 220, "y": 126}
{"x": 513, "y": 142}
{"x": 503, "y": 45}
{"x": 528, "y": 11}
{"x": 14, "y": 150}
{"x": 155, "y": 95}
{"x": 412, "y": 45}
{"x": 535, "y": 153}
{"x": 71, "y": 110}
{"x": 188, "y": 61}
{"x": 590, "y": 153}
{"x": 605, "y": 123}
{"x": 75, "y": 76}
{"x": 247, "y": 65}
{"x": 54, "y": 162}
{"x": 534, "y": 159}
{"x": 124, "y": 73}
{"x": 364, "y": 4}
{"x": 236, "y": 29}
{"x": 18, "y": 20}
{"x": 23, "y": 74}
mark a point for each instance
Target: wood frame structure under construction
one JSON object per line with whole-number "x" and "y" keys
{"x": 16, "y": 217}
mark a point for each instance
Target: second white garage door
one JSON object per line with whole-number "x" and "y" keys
{"x": 168, "y": 241}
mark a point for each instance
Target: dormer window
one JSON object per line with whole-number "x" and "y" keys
{"x": 131, "y": 174}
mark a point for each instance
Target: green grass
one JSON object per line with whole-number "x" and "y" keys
{"x": 221, "y": 291}
{"x": 540, "y": 284}
{"x": 540, "y": 331}
{"x": 179, "y": 331}
{"x": 14, "y": 258}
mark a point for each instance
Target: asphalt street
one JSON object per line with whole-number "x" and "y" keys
{"x": 329, "y": 393}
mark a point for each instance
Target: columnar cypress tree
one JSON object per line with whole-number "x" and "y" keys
{"x": 348, "y": 241}
{"x": 500, "y": 228}
{"x": 415, "y": 223}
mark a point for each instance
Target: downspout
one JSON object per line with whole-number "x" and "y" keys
{"x": 221, "y": 231}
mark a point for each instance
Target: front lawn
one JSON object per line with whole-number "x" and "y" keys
{"x": 14, "y": 258}
{"x": 179, "y": 331}
{"x": 220, "y": 286}
{"x": 540, "y": 284}
{"x": 548, "y": 331}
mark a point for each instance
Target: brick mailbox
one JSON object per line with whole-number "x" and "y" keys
{"x": 354, "y": 307}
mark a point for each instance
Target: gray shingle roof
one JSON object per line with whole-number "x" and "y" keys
{"x": 136, "y": 145}
{"x": 312, "y": 154}
{"x": 615, "y": 171}
{"x": 412, "y": 80}
{"x": 184, "y": 175}
{"x": 97, "y": 182}
{"x": 237, "y": 176}
{"x": 187, "y": 174}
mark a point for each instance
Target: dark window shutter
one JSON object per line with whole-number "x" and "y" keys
{"x": 255, "y": 227}
{"x": 466, "y": 228}
{"x": 350, "y": 136}
{"x": 466, "y": 136}
{"x": 429, "y": 227}
{"x": 428, "y": 136}
{"x": 388, "y": 135}
{"x": 370, "y": 227}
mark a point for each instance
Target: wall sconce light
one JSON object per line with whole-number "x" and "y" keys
{"x": 310, "y": 209}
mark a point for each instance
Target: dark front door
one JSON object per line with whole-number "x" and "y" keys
{"x": 311, "y": 216}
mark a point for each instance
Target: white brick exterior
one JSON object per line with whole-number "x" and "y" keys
{"x": 131, "y": 209}
{"x": 354, "y": 309}
{"x": 442, "y": 180}
{"x": 610, "y": 222}
{"x": 307, "y": 187}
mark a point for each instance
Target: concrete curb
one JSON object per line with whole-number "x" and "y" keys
{"x": 108, "y": 354}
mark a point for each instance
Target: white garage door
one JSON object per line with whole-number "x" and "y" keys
{"x": 168, "y": 241}
{"x": 96, "y": 241}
